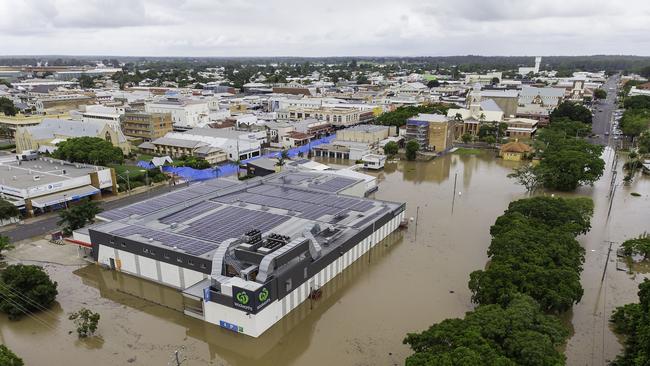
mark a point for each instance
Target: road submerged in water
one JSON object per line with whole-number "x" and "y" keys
{"x": 408, "y": 282}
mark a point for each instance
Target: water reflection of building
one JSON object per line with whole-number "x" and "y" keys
{"x": 295, "y": 329}
{"x": 436, "y": 171}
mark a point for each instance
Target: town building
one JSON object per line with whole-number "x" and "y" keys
{"x": 514, "y": 151}
{"x": 146, "y": 126}
{"x": 373, "y": 161}
{"x": 370, "y": 134}
{"x": 337, "y": 117}
{"x": 176, "y": 147}
{"x": 507, "y": 100}
{"x": 39, "y": 184}
{"x": 237, "y": 145}
{"x": 62, "y": 103}
{"x": 44, "y": 136}
{"x": 186, "y": 113}
{"x": 262, "y": 167}
{"x": 434, "y": 132}
{"x": 539, "y": 101}
{"x": 245, "y": 254}
{"x": 9, "y": 124}
{"x": 521, "y": 128}
{"x": 341, "y": 149}
{"x": 486, "y": 78}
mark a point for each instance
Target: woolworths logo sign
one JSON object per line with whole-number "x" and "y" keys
{"x": 242, "y": 297}
{"x": 251, "y": 301}
{"x": 264, "y": 295}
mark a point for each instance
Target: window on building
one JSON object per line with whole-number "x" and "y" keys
{"x": 288, "y": 285}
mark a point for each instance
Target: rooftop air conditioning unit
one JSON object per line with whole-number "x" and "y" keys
{"x": 37, "y": 177}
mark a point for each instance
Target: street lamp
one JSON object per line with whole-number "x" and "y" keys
{"x": 65, "y": 201}
{"x": 146, "y": 179}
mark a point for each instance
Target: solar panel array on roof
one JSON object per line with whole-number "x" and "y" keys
{"x": 232, "y": 222}
{"x": 154, "y": 204}
{"x": 189, "y": 212}
{"x": 189, "y": 245}
{"x": 333, "y": 185}
{"x": 308, "y": 205}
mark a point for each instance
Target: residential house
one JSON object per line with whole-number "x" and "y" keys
{"x": 514, "y": 151}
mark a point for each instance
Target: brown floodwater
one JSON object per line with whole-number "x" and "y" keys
{"x": 413, "y": 279}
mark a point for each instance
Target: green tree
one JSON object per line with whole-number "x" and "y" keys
{"x": 637, "y": 246}
{"x": 515, "y": 333}
{"x": 399, "y": 116}
{"x": 86, "y": 322}
{"x": 534, "y": 251}
{"x": 391, "y": 148}
{"x": 90, "y": 150}
{"x": 78, "y": 216}
{"x": 644, "y": 142}
{"x": 635, "y": 121}
{"x": 466, "y": 138}
{"x": 495, "y": 81}
{"x": 633, "y": 322}
{"x": 25, "y": 289}
{"x": 571, "y": 110}
{"x": 284, "y": 155}
{"x": 637, "y": 102}
{"x": 5, "y": 244}
{"x": 433, "y": 84}
{"x": 86, "y": 82}
{"x": 568, "y": 214}
{"x": 526, "y": 176}
{"x": 8, "y": 210}
{"x": 8, "y": 358}
{"x": 362, "y": 79}
{"x": 600, "y": 93}
{"x": 569, "y": 163}
{"x": 568, "y": 127}
{"x": 192, "y": 162}
{"x": 7, "y": 107}
{"x": 412, "y": 148}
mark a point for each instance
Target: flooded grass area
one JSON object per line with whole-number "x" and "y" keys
{"x": 414, "y": 278}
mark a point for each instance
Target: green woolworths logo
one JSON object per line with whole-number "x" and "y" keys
{"x": 263, "y": 295}
{"x": 242, "y": 297}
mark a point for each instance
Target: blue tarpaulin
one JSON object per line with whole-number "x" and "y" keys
{"x": 192, "y": 174}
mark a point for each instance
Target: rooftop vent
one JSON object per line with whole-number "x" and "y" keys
{"x": 37, "y": 177}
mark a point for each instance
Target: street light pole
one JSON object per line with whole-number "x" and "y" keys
{"x": 128, "y": 181}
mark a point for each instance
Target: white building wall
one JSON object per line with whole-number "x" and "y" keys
{"x": 148, "y": 268}
{"x": 255, "y": 325}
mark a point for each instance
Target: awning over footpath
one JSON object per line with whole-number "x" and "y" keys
{"x": 62, "y": 196}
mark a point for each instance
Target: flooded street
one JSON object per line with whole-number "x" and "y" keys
{"x": 413, "y": 279}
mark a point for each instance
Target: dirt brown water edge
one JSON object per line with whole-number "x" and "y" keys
{"x": 408, "y": 282}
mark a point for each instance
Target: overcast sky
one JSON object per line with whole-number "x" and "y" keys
{"x": 324, "y": 28}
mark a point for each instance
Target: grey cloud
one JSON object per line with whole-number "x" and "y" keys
{"x": 334, "y": 27}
